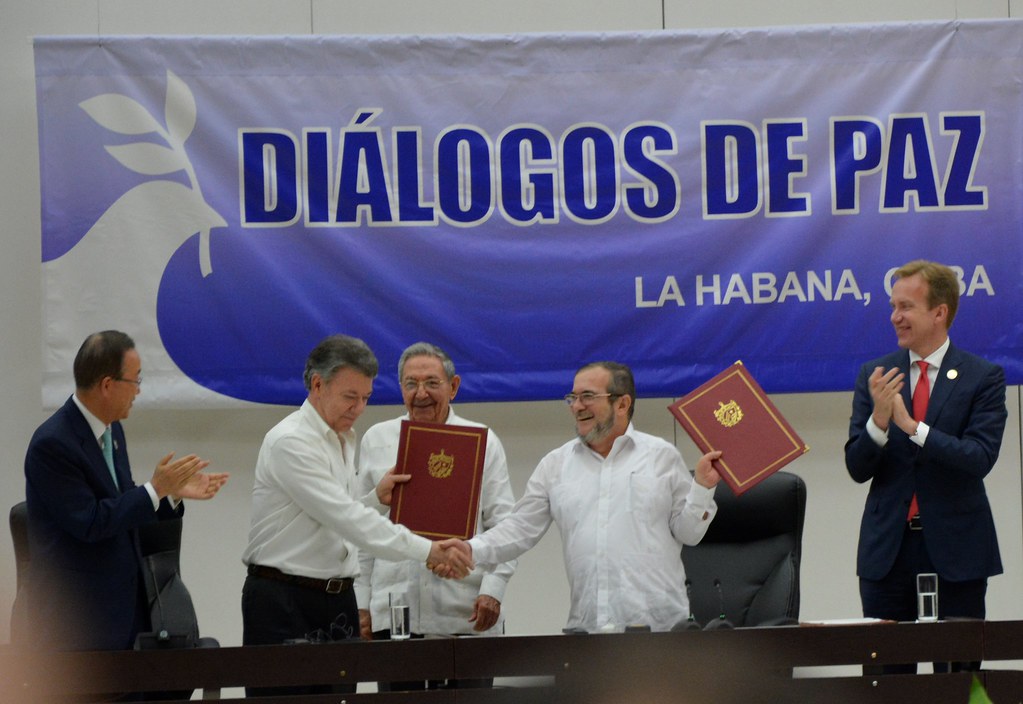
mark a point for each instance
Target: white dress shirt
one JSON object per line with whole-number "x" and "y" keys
{"x": 440, "y": 606}
{"x": 98, "y": 427}
{"x": 623, "y": 521}
{"x": 305, "y": 520}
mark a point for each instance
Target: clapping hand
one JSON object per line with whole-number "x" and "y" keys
{"x": 885, "y": 391}
{"x": 184, "y": 478}
{"x": 203, "y": 486}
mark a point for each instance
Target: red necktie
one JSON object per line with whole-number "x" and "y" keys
{"x": 921, "y": 395}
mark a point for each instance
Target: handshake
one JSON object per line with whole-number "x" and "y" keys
{"x": 450, "y": 559}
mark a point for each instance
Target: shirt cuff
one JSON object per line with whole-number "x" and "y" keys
{"x": 424, "y": 545}
{"x": 920, "y": 437}
{"x": 481, "y": 553}
{"x": 700, "y": 497}
{"x": 880, "y": 437}
{"x": 154, "y": 498}
{"x": 494, "y": 586}
{"x": 372, "y": 500}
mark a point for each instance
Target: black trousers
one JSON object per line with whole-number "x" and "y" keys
{"x": 894, "y": 596}
{"x": 276, "y": 612}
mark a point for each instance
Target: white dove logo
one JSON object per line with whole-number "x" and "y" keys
{"x": 110, "y": 278}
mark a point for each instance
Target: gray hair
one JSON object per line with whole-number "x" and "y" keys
{"x": 426, "y": 349}
{"x": 339, "y": 352}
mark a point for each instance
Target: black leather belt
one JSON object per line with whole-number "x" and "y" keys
{"x": 914, "y": 523}
{"x": 334, "y": 585}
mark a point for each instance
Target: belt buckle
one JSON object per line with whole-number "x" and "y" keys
{"x": 335, "y": 585}
{"x": 915, "y": 524}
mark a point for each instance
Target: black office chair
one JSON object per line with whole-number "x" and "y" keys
{"x": 172, "y": 614}
{"x": 19, "y": 535}
{"x": 745, "y": 571}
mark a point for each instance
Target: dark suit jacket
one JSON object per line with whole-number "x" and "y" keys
{"x": 85, "y": 589}
{"x": 966, "y": 415}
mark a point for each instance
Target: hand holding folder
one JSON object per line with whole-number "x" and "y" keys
{"x": 441, "y": 499}
{"x": 731, "y": 413}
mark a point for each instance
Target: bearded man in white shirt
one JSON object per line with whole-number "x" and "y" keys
{"x": 624, "y": 503}
{"x": 439, "y": 607}
{"x": 308, "y": 523}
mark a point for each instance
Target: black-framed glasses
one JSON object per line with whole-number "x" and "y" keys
{"x": 586, "y": 397}
{"x": 137, "y": 382}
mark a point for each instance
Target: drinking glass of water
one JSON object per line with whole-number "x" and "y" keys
{"x": 400, "y": 617}
{"x": 927, "y": 597}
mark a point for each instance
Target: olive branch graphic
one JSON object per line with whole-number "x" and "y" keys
{"x": 124, "y": 115}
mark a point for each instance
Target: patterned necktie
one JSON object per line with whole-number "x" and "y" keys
{"x": 108, "y": 455}
{"x": 921, "y": 395}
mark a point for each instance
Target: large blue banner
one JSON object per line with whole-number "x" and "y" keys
{"x": 675, "y": 201}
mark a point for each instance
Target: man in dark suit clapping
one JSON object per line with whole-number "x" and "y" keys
{"x": 85, "y": 589}
{"x": 926, "y": 428}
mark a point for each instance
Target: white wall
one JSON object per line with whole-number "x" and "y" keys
{"x": 215, "y": 532}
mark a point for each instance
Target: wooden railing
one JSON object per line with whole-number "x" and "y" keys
{"x": 771, "y": 665}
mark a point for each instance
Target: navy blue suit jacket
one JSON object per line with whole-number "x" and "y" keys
{"x": 966, "y": 415}
{"x": 85, "y": 589}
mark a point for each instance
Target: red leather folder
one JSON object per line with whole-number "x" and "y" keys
{"x": 446, "y": 463}
{"x": 731, "y": 413}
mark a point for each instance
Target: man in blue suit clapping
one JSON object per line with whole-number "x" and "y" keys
{"x": 926, "y": 429}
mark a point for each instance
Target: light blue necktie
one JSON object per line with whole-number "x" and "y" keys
{"x": 108, "y": 455}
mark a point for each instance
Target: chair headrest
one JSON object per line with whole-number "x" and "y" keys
{"x": 776, "y": 506}
{"x": 160, "y": 536}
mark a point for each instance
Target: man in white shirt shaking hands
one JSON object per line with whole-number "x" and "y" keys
{"x": 624, "y": 503}
{"x": 307, "y": 523}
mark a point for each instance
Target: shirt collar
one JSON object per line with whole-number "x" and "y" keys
{"x": 316, "y": 420}
{"x": 95, "y": 424}
{"x": 935, "y": 358}
{"x": 629, "y": 436}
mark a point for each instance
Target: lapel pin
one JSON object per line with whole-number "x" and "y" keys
{"x": 952, "y": 373}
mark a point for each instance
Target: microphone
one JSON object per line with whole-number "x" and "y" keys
{"x": 162, "y": 635}
{"x": 722, "y": 620}
{"x": 690, "y": 624}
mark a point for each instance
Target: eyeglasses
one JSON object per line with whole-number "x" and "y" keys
{"x": 137, "y": 382}
{"x": 412, "y": 386}
{"x": 586, "y": 397}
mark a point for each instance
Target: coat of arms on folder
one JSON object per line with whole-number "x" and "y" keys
{"x": 446, "y": 463}
{"x": 731, "y": 413}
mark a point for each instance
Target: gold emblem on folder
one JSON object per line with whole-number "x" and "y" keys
{"x": 728, "y": 414}
{"x": 441, "y": 465}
